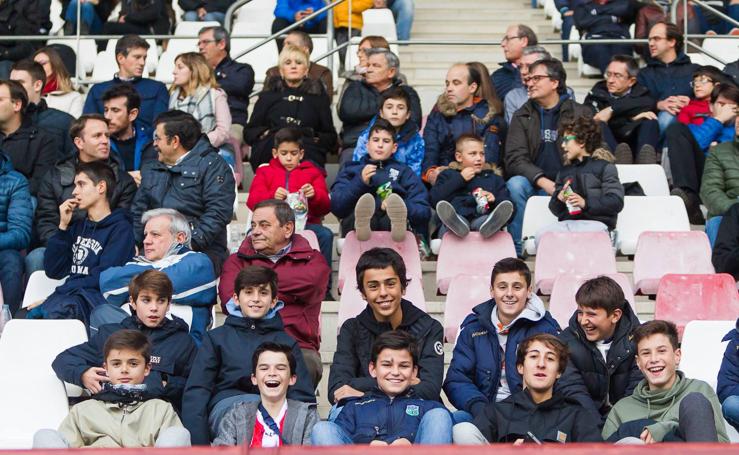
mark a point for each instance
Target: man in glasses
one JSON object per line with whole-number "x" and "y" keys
{"x": 507, "y": 77}
{"x": 626, "y": 110}
{"x": 533, "y": 146}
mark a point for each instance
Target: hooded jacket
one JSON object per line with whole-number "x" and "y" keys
{"x": 172, "y": 354}
{"x": 596, "y": 383}
{"x": 596, "y": 19}
{"x": 725, "y": 257}
{"x": 57, "y": 186}
{"x": 143, "y": 150}
{"x": 286, "y": 9}
{"x": 16, "y": 208}
{"x": 720, "y": 183}
{"x": 668, "y": 79}
{"x": 445, "y": 124}
{"x": 32, "y": 152}
{"x": 524, "y": 137}
{"x": 349, "y": 187}
{"x": 201, "y": 187}
{"x": 274, "y": 175}
{"x": 222, "y": 369}
{"x": 636, "y": 101}
{"x": 237, "y": 425}
{"x": 728, "y": 375}
{"x": 473, "y": 377}
{"x": 303, "y": 275}
{"x": 411, "y": 148}
{"x": 378, "y": 417}
{"x": 452, "y": 187}
{"x": 154, "y": 97}
{"x": 558, "y": 419}
{"x": 354, "y": 348}
{"x": 596, "y": 180}
{"x": 663, "y": 407}
{"x": 710, "y": 131}
{"x": 505, "y": 79}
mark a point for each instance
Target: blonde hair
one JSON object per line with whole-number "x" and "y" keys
{"x": 63, "y": 81}
{"x": 202, "y": 74}
{"x": 295, "y": 53}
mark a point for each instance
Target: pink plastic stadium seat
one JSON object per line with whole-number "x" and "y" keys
{"x": 310, "y": 236}
{"x": 575, "y": 253}
{"x": 471, "y": 255}
{"x": 684, "y": 298}
{"x": 465, "y": 292}
{"x": 353, "y": 248}
{"x": 562, "y": 301}
{"x": 659, "y": 253}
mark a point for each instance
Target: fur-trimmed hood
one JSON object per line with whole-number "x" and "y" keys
{"x": 482, "y": 112}
{"x": 485, "y": 167}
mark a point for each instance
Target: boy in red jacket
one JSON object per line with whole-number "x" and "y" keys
{"x": 286, "y": 173}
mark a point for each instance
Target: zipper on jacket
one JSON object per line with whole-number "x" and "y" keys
{"x": 287, "y": 181}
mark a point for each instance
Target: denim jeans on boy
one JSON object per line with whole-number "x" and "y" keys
{"x": 192, "y": 16}
{"x": 435, "y": 428}
{"x": 712, "y": 226}
{"x": 730, "y": 409}
{"x": 521, "y": 190}
{"x": 403, "y": 12}
{"x": 474, "y": 225}
{"x": 11, "y": 278}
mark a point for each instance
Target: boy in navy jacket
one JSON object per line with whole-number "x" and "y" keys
{"x": 379, "y": 193}
{"x": 221, "y": 373}
{"x": 469, "y": 194}
{"x": 728, "y": 378}
{"x": 81, "y": 250}
{"x": 390, "y": 414}
{"x": 172, "y": 349}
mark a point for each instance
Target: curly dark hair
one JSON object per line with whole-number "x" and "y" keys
{"x": 586, "y": 130}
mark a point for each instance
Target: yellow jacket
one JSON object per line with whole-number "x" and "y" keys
{"x": 341, "y": 13}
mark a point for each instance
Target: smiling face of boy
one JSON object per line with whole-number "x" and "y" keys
{"x": 394, "y": 370}
{"x": 126, "y": 366}
{"x": 256, "y": 301}
{"x": 273, "y": 375}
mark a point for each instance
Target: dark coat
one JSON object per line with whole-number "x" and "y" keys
{"x": 375, "y": 416}
{"x": 306, "y": 108}
{"x": 558, "y": 419}
{"x": 354, "y": 348}
{"x": 143, "y": 151}
{"x": 55, "y": 122}
{"x": 524, "y": 137}
{"x": 222, "y": 369}
{"x": 505, "y": 79}
{"x": 624, "y": 108}
{"x": 668, "y": 79}
{"x": 595, "y": 383}
{"x": 452, "y": 187}
{"x": 201, "y": 187}
{"x": 16, "y": 209}
{"x": 597, "y": 182}
{"x": 360, "y": 102}
{"x": 32, "y": 152}
{"x": 172, "y": 351}
{"x": 237, "y": 80}
{"x": 220, "y": 6}
{"x": 149, "y": 14}
{"x": 57, "y": 186}
{"x": 610, "y": 20}
{"x": 154, "y": 98}
{"x": 725, "y": 255}
{"x": 728, "y": 375}
{"x": 22, "y": 17}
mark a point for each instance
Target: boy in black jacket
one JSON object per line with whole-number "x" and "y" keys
{"x": 602, "y": 366}
{"x": 172, "y": 348}
{"x": 469, "y": 195}
{"x": 536, "y": 413}
{"x": 221, "y": 373}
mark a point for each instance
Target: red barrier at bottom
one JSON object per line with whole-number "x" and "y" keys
{"x": 497, "y": 449}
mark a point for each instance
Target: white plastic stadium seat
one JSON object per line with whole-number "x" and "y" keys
{"x": 536, "y": 216}
{"x": 649, "y": 213}
{"x": 32, "y": 396}
{"x": 86, "y": 54}
{"x": 260, "y": 59}
{"x": 702, "y": 59}
{"x": 178, "y": 46}
{"x": 39, "y": 287}
{"x": 725, "y": 48}
{"x": 651, "y": 177}
{"x": 105, "y": 67}
{"x": 379, "y": 22}
{"x": 256, "y": 16}
{"x": 165, "y": 67}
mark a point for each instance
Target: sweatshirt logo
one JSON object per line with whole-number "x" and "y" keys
{"x": 394, "y": 173}
{"x": 80, "y": 250}
{"x": 155, "y": 359}
{"x": 439, "y": 348}
{"x": 561, "y": 437}
{"x": 412, "y": 410}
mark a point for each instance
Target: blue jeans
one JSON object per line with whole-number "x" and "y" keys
{"x": 567, "y": 23}
{"x": 334, "y": 412}
{"x": 88, "y": 15}
{"x": 192, "y": 16}
{"x": 521, "y": 190}
{"x": 435, "y": 428}
{"x": 106, "y": 314}
{"x": 11, "y": 278}
{"x": 664, "y": 119}
{"x": 403, "y": 12}
{"x": 712, "y": 226}
{"x": 462, "y": 416}
{"x": 35, "y": 260}
{"x": 730, "y": 409}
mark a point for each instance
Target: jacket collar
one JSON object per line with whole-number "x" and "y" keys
{"x": 411, "y": 314}
{"x": 628, "y": 322}
{"x": 300, "y": 250}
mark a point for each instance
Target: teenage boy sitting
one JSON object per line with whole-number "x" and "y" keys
{"x": 396, "y": 109}
{"x": 172, "y": 349}
{"x": 602, "y": 367}
{"x": 469, "y": 194}
{"x": 123, "y": 413}
{"x": 382, "y": 281}
{"x": 480, "y": 371}
{"x": 391, "y": 413}
{"x": 378, "y": 192}
{"x": 665, "y": 406}
{"x": 222, "y": 367}
{"x": 537, "y": 413}
{"x": 274, "y": 420}
{"x": 81, "y": 250}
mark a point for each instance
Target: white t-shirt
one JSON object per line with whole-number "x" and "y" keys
{"x": 604, "y": 347}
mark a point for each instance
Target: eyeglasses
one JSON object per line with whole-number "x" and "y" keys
{"x": 205, "y": 41}
{"x": 536, "y": 79}
{"x": 617, "y": 76}
{"x": 508, "y": 38}
{"x": 700, "y": 81}
{"x": 656, "y": 39}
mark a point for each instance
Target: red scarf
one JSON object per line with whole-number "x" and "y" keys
{"x": 51, "y": 85}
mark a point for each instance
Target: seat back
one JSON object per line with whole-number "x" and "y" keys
{"x": 651, "y": 177}
{"x": 651, "y": 213}
{"x": 562, "y": 301}
{"x": 572, "y": 253}
{"x": 165, "y": 67}
{"x": 39, "y": 287}
{"x": 32, "y": 396}
{"x": 472, "y": 255}
{"x": 536, "y": 216}
{"x": 379, "y": 22}
{"x": 86, "y": 53}
{"x": 659, "y": 253}
{"x": 257, "y": 15}
{"x": 310, "y": 236}
{"x": 261, "y": 59}
{"x": 685, "y": 298}
{"x": 465, "y": 291}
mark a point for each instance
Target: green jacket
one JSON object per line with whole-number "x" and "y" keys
{"x": 720, "y": 184}
{"x": 662, "y": 406}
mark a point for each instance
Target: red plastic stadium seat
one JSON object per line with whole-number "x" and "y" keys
{"x": 471, "y": 255}
{"x": 659, "y": 253}
{"x": 310, "y": 236}
{"x": 684, "y": 298}
{"x": 577, "y": 253}
{"x": 562, "y": 301}
{"x": 465, "y": 291}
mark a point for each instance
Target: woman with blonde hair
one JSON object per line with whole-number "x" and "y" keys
{"x": 291, "y": 100}
{"x": 58, "y": 91}
{"x": 196, "y": 92}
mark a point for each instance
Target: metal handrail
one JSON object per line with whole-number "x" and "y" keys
{"x": 687, "y": 36}
{"x": 228, "y": 21}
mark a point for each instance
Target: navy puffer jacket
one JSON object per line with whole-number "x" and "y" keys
{"x": 16, "y": 209}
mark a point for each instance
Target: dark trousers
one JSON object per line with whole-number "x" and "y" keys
{"x": 646, "y": 133}
{"x": 11, "y": 278}
{"x": 121, "y": 28}
{"x": 280, "y": 23}
{"x": 342, "y": 36}
{"x": 686, "y": 157}
{"x": 599, "y": 55}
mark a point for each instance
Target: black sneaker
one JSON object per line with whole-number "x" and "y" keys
{"x": 692, "y": 205}
{"x": 623, "y": 154}
{"x": 451, "y": 219}
{"x": 497, "y": 219}
{"x": 647, "y": 155}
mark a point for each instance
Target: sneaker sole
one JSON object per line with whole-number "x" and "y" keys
{"x": 451, "y": 219}
{"x": 363, "y": 212}
{"x": 647, "y": 155}
{"x": 398, "y": 214}
{"x": 497, "y": 219}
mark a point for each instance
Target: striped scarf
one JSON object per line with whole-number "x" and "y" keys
{"x": 200, "y": 105}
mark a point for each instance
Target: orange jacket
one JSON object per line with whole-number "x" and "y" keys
{"x": 341, "y": 13}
